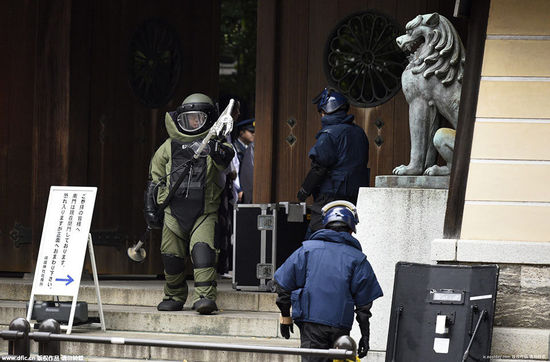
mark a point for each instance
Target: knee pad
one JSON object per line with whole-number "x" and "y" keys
{"x": 172, "y": 264}
{"x": 203, "y": 256}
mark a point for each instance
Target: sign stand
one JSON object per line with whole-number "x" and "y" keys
{"x": 63, "y": 249}
{"x": 96, "y": 282}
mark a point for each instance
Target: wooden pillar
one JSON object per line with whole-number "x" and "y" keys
{"x": 266, "y": 86}
{"x": 477, "y": 30}
{"x": 50, "y": 139}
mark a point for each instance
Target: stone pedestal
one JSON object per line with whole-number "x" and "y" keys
{"x": 413, "y": 182}
{"x": 396, "y": 224}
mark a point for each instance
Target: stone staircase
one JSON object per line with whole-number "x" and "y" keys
{"x": 129, "y": 307}
{"x": 245, "y": 318}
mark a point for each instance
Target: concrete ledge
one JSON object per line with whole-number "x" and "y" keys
{"x": 443, "y": 250}
{"x": 498, "y": 251}
{"x": 491, "y": 251}
{"x": 412, "y": 182}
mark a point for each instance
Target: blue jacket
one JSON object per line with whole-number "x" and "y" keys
{"x": 327, "y": 276}
{"x": 343, "y": 148}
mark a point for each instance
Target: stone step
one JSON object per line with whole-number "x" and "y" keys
{"x": 525, "y": 343}
{"x": 145, "y": 293}
{"x": 374, "y": 356}
{"x": 508, "y": 344}
{"x": 109, "y": 352}
{"x": 148, "y": 319}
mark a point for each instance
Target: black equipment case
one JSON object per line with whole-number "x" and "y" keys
{"x": 60, "y": 311}
{"x": 264, "y": 236}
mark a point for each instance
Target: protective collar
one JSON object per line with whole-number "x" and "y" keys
{"x": 341, "y": 237}
{"x": 337, "y": 117}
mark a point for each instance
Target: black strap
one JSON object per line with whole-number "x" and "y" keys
{"x": 206, "y": 284}
{"x": 175, "y": 187}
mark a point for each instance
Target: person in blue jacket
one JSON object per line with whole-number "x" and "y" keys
{"x": 338, "y": 159}
{"x": 323, "y": 280}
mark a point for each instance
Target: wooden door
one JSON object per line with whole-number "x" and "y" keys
{"x": 70, "y": 116}
{"x": 291, "y": 39}
{"x": 17, "y": 74}
{"x": 125, "y": 125}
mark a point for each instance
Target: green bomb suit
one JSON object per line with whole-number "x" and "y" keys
{"x": 189, "y": 224}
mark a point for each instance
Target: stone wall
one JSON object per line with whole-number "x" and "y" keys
{"x": 523, "y": 296}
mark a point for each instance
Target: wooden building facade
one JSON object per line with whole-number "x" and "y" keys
{"x": 81, "y": 104}
{"x": 80, "y": 88}
{"x": 292, "y": 36}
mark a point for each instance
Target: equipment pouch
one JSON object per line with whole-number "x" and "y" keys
{"x": 153, "y": 220}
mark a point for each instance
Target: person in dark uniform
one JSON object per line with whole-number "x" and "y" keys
{"x": 246, "y": 174}
{"x": 338, "y": 159}
{"x": 243, "y": 162}
{"x": 323, "y": 280}
{"x": 244, "y": 137}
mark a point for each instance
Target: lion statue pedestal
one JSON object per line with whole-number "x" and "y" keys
{"x": 397, "y": 224}
{"x": 414, "y": 182}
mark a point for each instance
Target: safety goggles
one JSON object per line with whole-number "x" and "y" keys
{"x": 192, "y": 120}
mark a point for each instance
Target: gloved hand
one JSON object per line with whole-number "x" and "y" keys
{"x": 153, "y": 220}
{"x": 221, "y": 154}
{"x": 313, "y": 179}
{"x": 286, "y": 327}
{"x": 214, "y": 145}
{"x": 363, "y": 347}
{"x": 302, "y": 195}
{"x": 363, "y": 315}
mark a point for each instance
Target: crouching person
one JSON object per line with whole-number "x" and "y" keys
{"x": 324, "y": 280}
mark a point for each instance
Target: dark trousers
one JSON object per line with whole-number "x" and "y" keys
{"x": 313, "y": 335}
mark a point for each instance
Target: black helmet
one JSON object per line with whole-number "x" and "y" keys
{"x": 330, "y": 100}
{"x": 196, "y": 114}
{"x": 340, "y": 213}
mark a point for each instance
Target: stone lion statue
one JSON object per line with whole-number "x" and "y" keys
{"x": 431, "y": 82}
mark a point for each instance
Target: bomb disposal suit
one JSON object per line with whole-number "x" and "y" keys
{"x": 190, "y": 218}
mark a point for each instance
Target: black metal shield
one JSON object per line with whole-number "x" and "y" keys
{"x": 442, "y": 313}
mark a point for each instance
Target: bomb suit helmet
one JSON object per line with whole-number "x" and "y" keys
{"x": 340, "y": 213}
{"x": 196, "y": 114}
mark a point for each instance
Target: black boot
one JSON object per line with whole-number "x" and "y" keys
{"x": 170, "y": 305}
{"x": 205, "y": 305}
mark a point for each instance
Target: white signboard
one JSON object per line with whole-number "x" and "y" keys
{"x": 64, "y": 239}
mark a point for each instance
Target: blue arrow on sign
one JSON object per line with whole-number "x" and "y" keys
{"x": 69, "y": 280}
